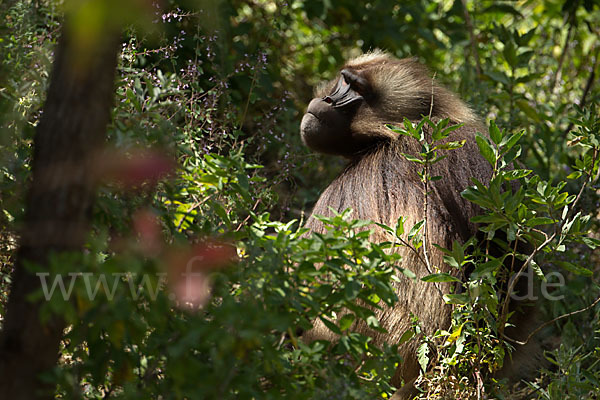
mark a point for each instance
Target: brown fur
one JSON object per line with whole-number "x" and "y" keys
{"x": 380, "y": 185}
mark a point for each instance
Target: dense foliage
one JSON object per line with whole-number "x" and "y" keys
{"x": 212, "y": 93}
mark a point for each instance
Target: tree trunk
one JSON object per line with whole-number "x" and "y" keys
{"x": 71, "y": 132}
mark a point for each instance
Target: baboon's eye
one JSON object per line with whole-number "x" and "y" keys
{"x": 348, "y": 90}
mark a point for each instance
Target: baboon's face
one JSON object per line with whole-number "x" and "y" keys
{"x": 327, "y": 125}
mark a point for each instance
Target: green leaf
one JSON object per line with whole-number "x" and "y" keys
{"x": 485, "y": 148}
{"x": 495, "y": 133}
{"x": 446, "y": 132}
{"x": 352, "y": 290}
{"x": 540, "y": 221}
{"x": 560, "y": 199}
{"x": 422, "y": 356}
{"x": 332, "y": 327}
{"x": 512, "y": 140}
{"x": 537, "y": 270}
{"x": 243, "y": 181}
{"x": 502, "y": 8}
{"x": 346, "y": 321}
{"x": 510, "y": 53}
{"x": 133, "y": 99}
{"x": 400, "y": 226}
{"x": 419, "y": 134}
{"x": 486, "y": 268}
{"x": 592, "y": 243}
{"x": 525, "y": 57}
{"x": 460, "y": 299}
{"x": 528, "y": 110}
{"x": 397, "y": 130}
{"x": 451, "y": 261}
{"x": 458, "y": 251}
{"x": 488, "y": 218}
{"x": 456, "y": 333}
{"x": 515, "y": 174}
{"x": 218, "y": 208}
{"x": 439, "y": 132}
{"x": 406, "y": 336}
{"x": 576, "y": 269}
{"x": 523, "y": 40}
{"x": 408, "y": 125}
{"x": 385, "y": 227}
{"x": 373, "y": 323}
{"x": 450, "y": 145}
{"x": 528, "y": 78}
{"x": 441, "y": 277}
{"x": 413, "y": 158}
{"x": 475, "y": 196}
{"x": 415, "y": 229}
{"x": 498, "y": 76}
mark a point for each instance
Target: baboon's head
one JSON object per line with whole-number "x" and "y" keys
{"x": 348, "y": 115}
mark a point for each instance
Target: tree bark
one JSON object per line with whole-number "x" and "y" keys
{"x": 71, "y": 132}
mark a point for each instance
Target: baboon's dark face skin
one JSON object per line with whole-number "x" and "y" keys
{"x": 326, "y": 126}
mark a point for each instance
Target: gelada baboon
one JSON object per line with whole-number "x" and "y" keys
{"x": 348, "y": 117}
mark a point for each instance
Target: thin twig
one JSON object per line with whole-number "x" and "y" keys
{"x": 545, "y": 324}
{"x": 254, "y": 76}
{"x": 432, "y": 91}
{"x": 426, "y": 189}
{"x": 192, "y": 208}
{"x": 512, "y": 283}
{"x": 405, "y": 243}
{"x": 243, "y": 118}
{"x": 247, "y": 217}
{"x": 588, "y": 86}
{"x": 472, "y": 42}
{"x": 561, "y": 60}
